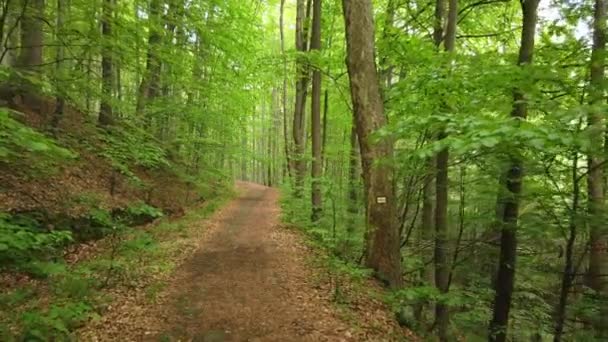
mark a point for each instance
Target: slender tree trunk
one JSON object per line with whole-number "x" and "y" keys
{"x": 353, "y": 183}
{"x": 59, "y": 67}
{"x": 382, "y": 236}
{"x": 505, "y": 279}
{"x": 386, "y": 75}
{"x": 428, "y": 190}
{"x": 288, "y": 164}
{"x": 569, "y": 270}
{"x": 442, "y": 267}
{"x": 317, "y": 160}
{"x": 597, "y": 278}
{"x": 106, "y": 115}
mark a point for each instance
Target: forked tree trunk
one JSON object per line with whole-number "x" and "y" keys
{"x": 382, "y": 236}
{"x": 505, "y": 279}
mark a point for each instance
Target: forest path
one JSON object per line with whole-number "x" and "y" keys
{"x": 250, "y": 281}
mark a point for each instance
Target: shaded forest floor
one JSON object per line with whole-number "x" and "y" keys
{"x": 250, "y": 279}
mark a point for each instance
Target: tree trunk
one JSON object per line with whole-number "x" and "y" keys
{"x": 30, "y": 57}
{"x": 505, "y": 279}
{"x": 569, "y": 268}
{"x": 428, "y": 190}
{"x": 106, "y": 115}
{"x": 287, "y": 148}
{"x": 150, "y": 83}
{"x": 382, "y": 236}
{"x": 59, "y": 67}
{"x": 353, "y": 184}
{"x": 442, "y": 267}
{"x": 299, "y": 117}
{"x": 598, "y": 256}
{"x": 317, "y": 160}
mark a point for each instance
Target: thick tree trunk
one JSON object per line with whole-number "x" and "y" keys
{"x": 299, "y": 117}
{"x": 598, "y": 256}
{"x": 150, "y": 84}
{"x": 30, "y": 56}
{"x": 505, "y": 279}
{"x": 317, "y": 160}
{"x": 106, "y": 115}
{"x": 382, "y": 236}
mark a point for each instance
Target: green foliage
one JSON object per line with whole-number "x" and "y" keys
{"x": 19, "y": 141}
{"x": 133, "y": 147}
{"x": 21, "y": 240}
{"x": 138, "y": 209}
{"x": 56, "y": 323}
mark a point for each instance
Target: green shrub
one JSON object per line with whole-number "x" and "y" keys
{"x": 55, "y": 324}
{"x": 22, "y": 240}
{"x": 17, "y": 141}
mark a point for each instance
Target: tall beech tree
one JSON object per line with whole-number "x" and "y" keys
{"x": 32, "y": 35}
{"x": 317, "y": 157}
{"x": 505, "y": 279}
{"x": 106, "y": 112}
{"x": 442, "y": 264}
{"x": 150, "y": 84}
{"x": 302, "y": 80}
{"x": 382, "y": 235}
{"x": 598, "y": 239}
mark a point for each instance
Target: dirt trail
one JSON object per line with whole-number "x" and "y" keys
{"x": 249, "y": 282}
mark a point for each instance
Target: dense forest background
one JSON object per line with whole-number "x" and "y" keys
{"x": 453, "y": 149}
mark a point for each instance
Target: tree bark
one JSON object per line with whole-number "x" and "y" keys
{"x": 353, "y": 182}
{"x": 287, "y": 148}
{"x": 317, "y": 160}
{"x": 299, "y": 117}
{"x": 569, "y": 268}
{"x": 59, "y": 67}
{"x": 598, "y": 256}
{"x": 505, "y": 279}
{"x": 382, "y": 236}
{"x": 150, "y": 84}
{"x": 106, "y": 115}
{"x": 442, "y": 267}
{"x": 32, "y": 36}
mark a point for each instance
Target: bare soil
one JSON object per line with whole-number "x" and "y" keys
{"x": 250, "y": 282}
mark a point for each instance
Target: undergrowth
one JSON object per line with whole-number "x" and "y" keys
{"x": 73, "y": 294}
